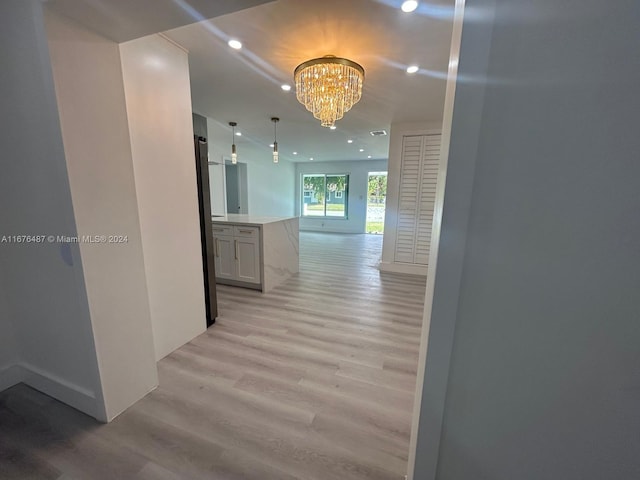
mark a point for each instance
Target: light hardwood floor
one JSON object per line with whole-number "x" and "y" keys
{"x": 312, "y": 381}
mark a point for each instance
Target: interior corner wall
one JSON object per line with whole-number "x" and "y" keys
{"x": 93, "y": 116}
{"x": 158, "y": 102}
{"x": 43, "y": 282}
{"x": 396, "y": 134}
{"x": 9, "y": 348}
{"x": 358, "y": 172}
{"x": 544, "y": 378}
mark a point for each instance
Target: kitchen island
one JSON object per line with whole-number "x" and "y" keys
{"x": 255, "y": 252}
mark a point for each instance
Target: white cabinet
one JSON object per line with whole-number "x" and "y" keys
{"x": 247, "y": 255}
{"x": 255, "y": 252}
{"x": 223, "y": 249}
{"x": 237, "y": 254}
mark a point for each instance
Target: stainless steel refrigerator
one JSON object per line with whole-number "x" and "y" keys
{"x": 206, "y": 233}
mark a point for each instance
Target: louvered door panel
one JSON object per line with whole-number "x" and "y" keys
{"x": 409, "y": 197}
{"x": 418, "y": 181}
{"x": 430, "y": 163}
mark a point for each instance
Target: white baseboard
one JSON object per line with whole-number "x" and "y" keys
{"x": 405, "y": 268}
{"x": 78, "y": 397}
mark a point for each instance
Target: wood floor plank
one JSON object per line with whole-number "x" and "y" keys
{"x": 311, "y": 381}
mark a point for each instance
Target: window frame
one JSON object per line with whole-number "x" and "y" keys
{"x": 346, "y": 198}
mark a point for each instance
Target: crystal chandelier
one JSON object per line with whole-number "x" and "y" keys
{"x": 328, "y": 87}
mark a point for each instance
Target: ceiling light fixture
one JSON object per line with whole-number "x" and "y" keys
{"x": 332, "y": 127}
{"x": 368, "y": 156}
{"x": 328, "y": 87}
{"x": 275, "y": 121}
{"x": 409, "y": 6}
{"x": 235, "y": 44}
{"x": 234, "y": 153}
{"x": 238, "y": 134}
{"x": 349, "y": 141}
{"x": 311, "y": 158}
{"x": 412, "y": 69}
{"x": 362, "y": 149}
{"x": 295, "y": 153}
{"x": 286, "y": 87}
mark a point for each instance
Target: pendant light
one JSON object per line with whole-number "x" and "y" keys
{"x": 275, "y": 121}
{"x": 234, "y": 154}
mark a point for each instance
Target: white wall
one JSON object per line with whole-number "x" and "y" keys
{"x": 91, "y": 102}
{"x": 358, "y": 191}
{"x": 9, "y": 348}
{"x": 271, "y": 187}
{"x": 218, "y": 192}
{"x": 546, "y": 340}
{"x": 158, "y": 98}
{"x": 43, "y": 283}
{"x": 217, "y": 154}
{"x": 396, "y": 134}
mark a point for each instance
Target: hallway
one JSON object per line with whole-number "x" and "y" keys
{"x": 314, "y": 380}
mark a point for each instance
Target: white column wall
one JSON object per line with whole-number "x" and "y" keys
{"x": 158, "y": 98}
{"x": 91, "y": 102}
{"x": 43, "y": 283}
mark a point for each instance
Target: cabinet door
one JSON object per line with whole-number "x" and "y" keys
{"x": 225, "y": 256}
{"x": 248, "y": 259}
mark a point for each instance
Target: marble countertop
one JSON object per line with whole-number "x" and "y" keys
{"x": 248, "y": 219}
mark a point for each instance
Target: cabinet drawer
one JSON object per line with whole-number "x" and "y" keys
{"x": 222, "y": 229}
{"x": 241, "y": 231}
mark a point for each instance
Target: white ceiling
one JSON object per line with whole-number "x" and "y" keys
{"x": 244, "y": 86}
{"x": 123, "y": 20}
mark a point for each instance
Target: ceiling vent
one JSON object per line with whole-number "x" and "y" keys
{"x": 378, "y": 133}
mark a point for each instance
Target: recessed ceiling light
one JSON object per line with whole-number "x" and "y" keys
{"x": 295, "y": 153}
{"x": 238, "y": 134}
{"x": 349, "y": 141}
{"x": 409, "y": 6}
{"x": 235, "y": 44}
{"x": 332, "y": 127}
{"x": 271, "y": 145}
{"x": 362, "y": 149}
{"x": 412, "y": 69}
{"x": 311, "y": 158}
{"x": 368, "y": 156}
{"x": 285, "y": 87}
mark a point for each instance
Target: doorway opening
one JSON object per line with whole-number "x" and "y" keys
{"x": 236, "y": 187}
{"x": 376, "y": 202}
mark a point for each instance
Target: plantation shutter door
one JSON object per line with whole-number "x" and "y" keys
{"x": 430, "y": 162}
{"x": 408, "y": 199}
